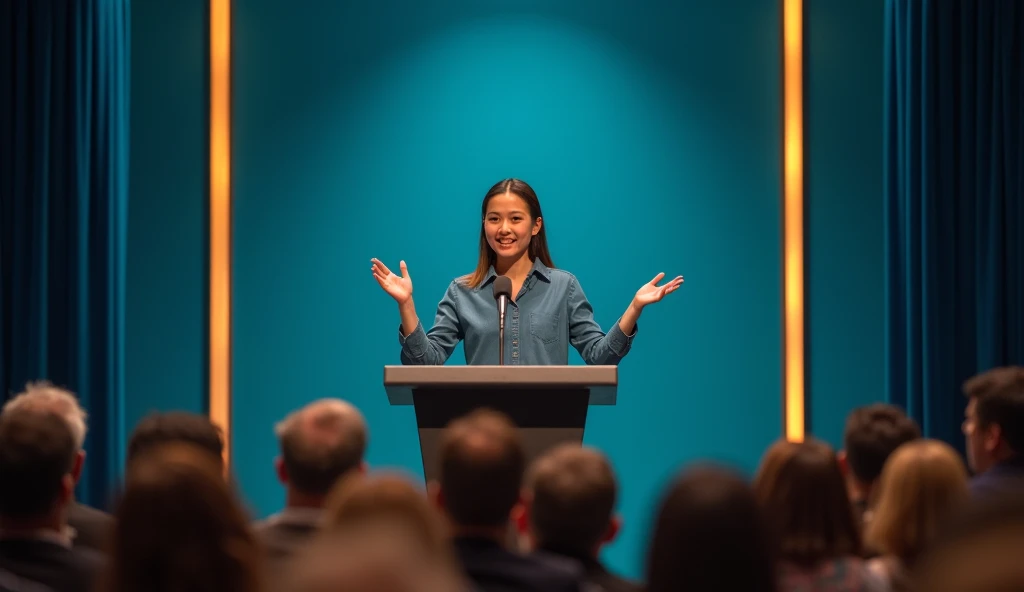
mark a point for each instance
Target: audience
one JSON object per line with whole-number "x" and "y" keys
{"x": 481, "y": 473}
{"x": 180, "y": 527}
{"x": 890, "y": 512}
{"x": 801, "y": 488}
{"x": 319, "y": 443}
{"x": 710, "y": 535}
{"x": 38, "y": 452}
{"x": 872, "y": 433}
{"x": 569, "y": 510}
{"x": 923, "y": 483}
{"x": 994, "y": 429}
{"x": 89, "y": 527}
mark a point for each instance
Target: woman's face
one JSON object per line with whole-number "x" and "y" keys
{"x": 508, "y": 226}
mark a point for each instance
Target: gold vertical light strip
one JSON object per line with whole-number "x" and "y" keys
{"x": 793, "y": 228}
{"x": 220, "y": 218}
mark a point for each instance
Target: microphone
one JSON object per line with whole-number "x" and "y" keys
{"x": 502, "y": 293}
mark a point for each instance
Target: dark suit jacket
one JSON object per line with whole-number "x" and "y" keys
{"x": 50, "y": 564}
{"x": 1005, "y": 477}
{"x": 597, "y": 575}
{"x": 92, "y": 527}
{"x": 283, "y": 534}
{"x": 492, "y": 568}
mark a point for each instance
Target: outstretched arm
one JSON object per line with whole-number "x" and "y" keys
{"x": 419, "y": 346}
{"x": 649, "y": 293}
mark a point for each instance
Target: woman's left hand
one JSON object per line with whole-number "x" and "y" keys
{"x": 651, "y": 292}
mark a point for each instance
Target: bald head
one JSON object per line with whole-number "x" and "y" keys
{"x": 482, "y": 462}
{"x": 573, "y": 492}
{"x": 321, "y": 442}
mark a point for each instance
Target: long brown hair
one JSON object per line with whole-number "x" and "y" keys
{"x": 711, "y": 534}
{"x": 538, "y": 244}
{"x": 804, "y": 496}
{"x": 180, "y": 527}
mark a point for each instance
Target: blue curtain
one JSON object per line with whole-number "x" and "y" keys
{"x": 954, "y": 164}
{"x": 63, "y": 211}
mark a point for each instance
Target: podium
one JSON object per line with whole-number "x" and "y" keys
{"x": 548, "y": 403}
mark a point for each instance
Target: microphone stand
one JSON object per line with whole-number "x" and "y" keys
{"x": 501, "y": 335}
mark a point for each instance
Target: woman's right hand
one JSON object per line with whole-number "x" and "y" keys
{"x": 398, "y": 287}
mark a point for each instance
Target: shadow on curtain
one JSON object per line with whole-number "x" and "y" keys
{"x": 954, "y": 164}
{"x": 63, "y": 212}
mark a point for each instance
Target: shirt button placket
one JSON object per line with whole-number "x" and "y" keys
{"x": 515, "y": 336}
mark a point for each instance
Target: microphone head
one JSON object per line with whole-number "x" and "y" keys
{"x": 502, "y": 287}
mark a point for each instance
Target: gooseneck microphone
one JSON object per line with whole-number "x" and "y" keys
{"x": 502, "y": 293}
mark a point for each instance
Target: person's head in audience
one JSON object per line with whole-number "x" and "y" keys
{"x": 44, "y": 396}
{"x": 319, "y": 444}
{"x": 180, "y": 526}
{"x": 923, "y": 483}
{"x": 710, "y": 535}
{"x": 387, "y": 499}
{"x": 978, "y": 550}
{"x": 157, "y": 429}
{"x": 994, "y": 417}
{"x": 570, "y": 501}
{"x": 802, "y": 491}
{"x": 872, "y": 433}
{"x": 481, "y": 472}
{"x": 37, "y": 455}
{"x": 369, "y": 557}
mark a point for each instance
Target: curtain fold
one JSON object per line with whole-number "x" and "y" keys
{"x": 954, "y": 176}
{"x": 63, "y": 212}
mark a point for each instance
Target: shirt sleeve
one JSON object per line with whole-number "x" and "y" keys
{"x": 594, "y": 345}
{"x": 433, "y": 347}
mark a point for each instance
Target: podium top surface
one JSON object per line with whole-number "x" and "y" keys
{"x": 401, "y": 380}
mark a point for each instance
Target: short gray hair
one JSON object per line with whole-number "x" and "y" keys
{"x": 44, "y": 396}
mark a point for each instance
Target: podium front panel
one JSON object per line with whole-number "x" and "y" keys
{"x": 544, "y": 417}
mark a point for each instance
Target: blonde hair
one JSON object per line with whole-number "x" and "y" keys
{"x": 921, "y": 484}
{"x": 44, "y": 396}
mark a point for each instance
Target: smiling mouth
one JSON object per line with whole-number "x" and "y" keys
{"x": 506, "y": 241}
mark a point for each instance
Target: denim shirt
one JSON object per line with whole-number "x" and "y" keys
{"x": 549, "y": 314}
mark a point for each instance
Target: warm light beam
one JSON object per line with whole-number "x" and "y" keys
{"x": 220, "y": 219}
{"x": 793, "y": 226}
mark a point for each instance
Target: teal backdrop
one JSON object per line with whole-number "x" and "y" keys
{"x": 165, "y": 324}
{"x": 652, "y": 135}
{"x": 845, "y": 241}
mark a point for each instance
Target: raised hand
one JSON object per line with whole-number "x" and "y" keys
{"x": 651, "y": 292}
{"x": 398, "y": 287}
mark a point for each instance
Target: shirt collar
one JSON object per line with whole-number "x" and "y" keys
{"x": 542, "y": 271}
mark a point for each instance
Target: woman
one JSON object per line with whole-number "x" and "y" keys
{"x": 710, "y": 535}
{"x": 548, "y": 309}
{"x": 181, "y": 528}
{"x": 922, "y": 484}
{"x": 801, "y": 489}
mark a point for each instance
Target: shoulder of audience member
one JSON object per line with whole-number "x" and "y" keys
{"x": 568, "y": 568}
{"x": 88, "y": 560}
